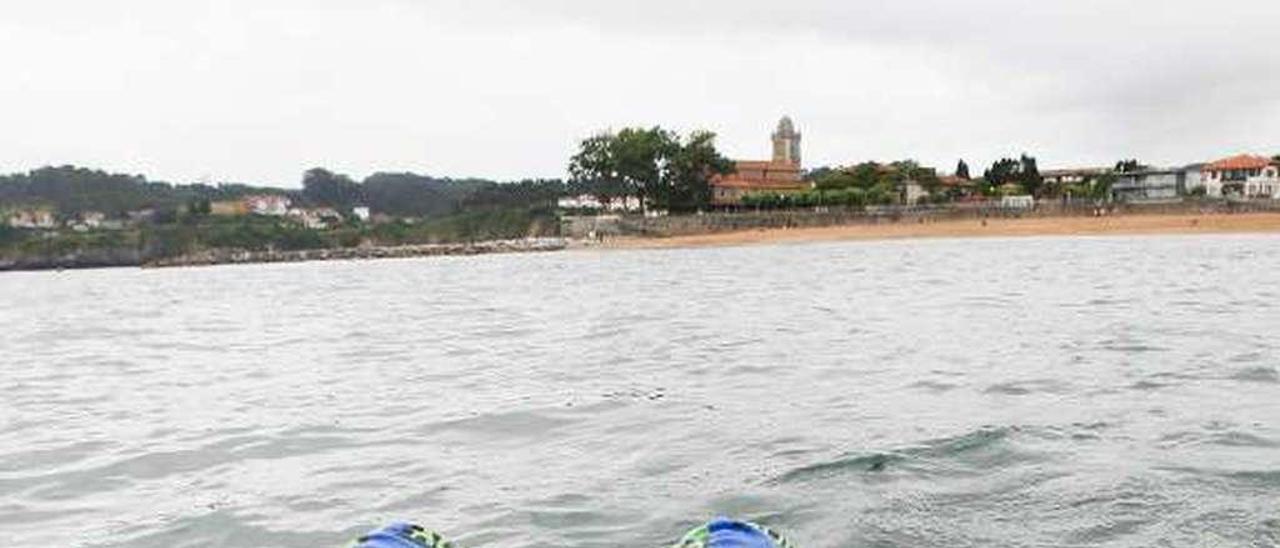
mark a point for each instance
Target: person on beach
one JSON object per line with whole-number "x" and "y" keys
{"x": 718, "y": 533}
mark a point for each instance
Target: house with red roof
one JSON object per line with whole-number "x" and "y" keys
{"x": 1243, "y": 175}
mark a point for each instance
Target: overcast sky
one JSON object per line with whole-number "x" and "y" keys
{"x": 260, "y": 90}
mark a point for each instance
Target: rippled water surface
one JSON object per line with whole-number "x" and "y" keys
{"x": 1035, "y": 392}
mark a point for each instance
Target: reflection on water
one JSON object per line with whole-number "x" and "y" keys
{"x": 1099, "y": 392}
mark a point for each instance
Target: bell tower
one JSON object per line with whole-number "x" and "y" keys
{"x": 786, "y": 143}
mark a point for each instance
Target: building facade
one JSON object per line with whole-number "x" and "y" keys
{"x": 1244, "y": 176}
{"x": 781, "y": 175}
{"x": 1150, "y": 185}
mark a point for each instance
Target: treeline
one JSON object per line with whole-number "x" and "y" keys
{"x": 71, "y": 190}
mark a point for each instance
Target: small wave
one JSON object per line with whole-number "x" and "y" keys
{"x": 874, "y": 462}
{"x": 978, "y": 449}
{"x": 1023, "y": 388}
{"x": 1146, "y": 386}
{"x": 933, "y": 386}
{"x": 1265, "y": 374}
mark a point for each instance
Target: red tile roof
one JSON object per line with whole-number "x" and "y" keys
{"x": 952, "y": 180}
{"x": 1243, "y": 161}
{"x": 754, "y": 175}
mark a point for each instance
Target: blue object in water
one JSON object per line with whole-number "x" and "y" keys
{"x": 401, "y": 535}
{"x": 727, "y": 533}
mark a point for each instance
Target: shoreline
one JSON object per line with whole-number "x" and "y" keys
{"x": 1109, "y": 225}
{"x": 216, "y": 257}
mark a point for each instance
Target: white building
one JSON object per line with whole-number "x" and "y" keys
{"x": 593, "y": 203}
{"x": 268, "y": 204}
{"x": 32, "y": 218}
{"x": 1151, "y": 185}
{"x": 1244, "y": 175}
{"x": 362, "y": 213}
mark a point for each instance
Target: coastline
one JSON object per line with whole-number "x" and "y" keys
{"x": 134, "y": 259}
{"x": 231, "y": 256}
{"x": 1117, "y": 225}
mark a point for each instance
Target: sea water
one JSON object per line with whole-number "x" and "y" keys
{"x": 998, "y": 392}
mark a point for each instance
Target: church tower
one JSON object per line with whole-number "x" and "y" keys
{"x": 786, "y": 143}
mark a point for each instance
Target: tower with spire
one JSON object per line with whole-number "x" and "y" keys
{"x": 786, "y": 143}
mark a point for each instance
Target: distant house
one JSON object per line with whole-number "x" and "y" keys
{"x": 1072, "y": 176}
{"x": 316, "y": 219}
{"x": 32, "y": 219}
{"x": 362, "y": 213}
{"x": 1243, "y": 175}
{"x": 958, "y": 188}
{"x": 911, "y": 192}
{"x": 229, "y": 208}
{"x": 141, "y": 215}
{"x": 272, "y": 205}
{"x": 1153, "y": 185}
{"x": 93, "y": 219}
{"x": 588, "y": 202}
{"x": 87, "y": 220}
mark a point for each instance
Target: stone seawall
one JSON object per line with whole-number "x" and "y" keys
{"x": 604, "y": 227}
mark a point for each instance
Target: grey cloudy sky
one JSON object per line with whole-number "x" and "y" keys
{"x": 259, "y": 90}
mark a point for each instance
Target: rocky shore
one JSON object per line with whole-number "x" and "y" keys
{"x": 108, "y": 258}
{"x": 231, "y": 256}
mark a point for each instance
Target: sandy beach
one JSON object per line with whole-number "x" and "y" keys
{"x": 970, "y": 228}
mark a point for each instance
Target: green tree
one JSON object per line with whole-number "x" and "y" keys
{"x": 962, "y": 170}
{"x": 325, "y": 188}
{"x": 594, "y": 168}
{"x": 835, "y": 179}
{"x": 1129, "y": 166}
{"x": 1029, "y": 175}
{"x": 1022, "y": 172}
{"x": 1100, "y": 186}
{"x": 688, "y": 171}
{"x": 653, "y": 164}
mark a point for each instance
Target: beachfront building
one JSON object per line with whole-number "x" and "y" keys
{"x": 1154, "y": 185}
{"x": 1062, "y": 181}
{"x": 1244, "y": 175}
{"x": 1072, "y": 176}
{"x": 959, "y": 188}
{"x": 781, "y": 175}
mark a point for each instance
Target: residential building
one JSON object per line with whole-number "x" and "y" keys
{"x": 229, "y": 208}
{"x": 1150, "y": 185}
{"x": 911, "y": 192}
{"x": 93, "y": 219}
{"x": 1071, "y": 176}
{"x": 959, "y": 188}
{"x": 781, "y": 175}
{"x": 362, "y": 213}
{"x": 588, "y": 202}
{"x": 1244, "y": 175}
{"x": 141, "y": 216}
{"x": 32, "y": 219}
{"x": 316, "y": 219}
{"x": 268, "y": 204}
